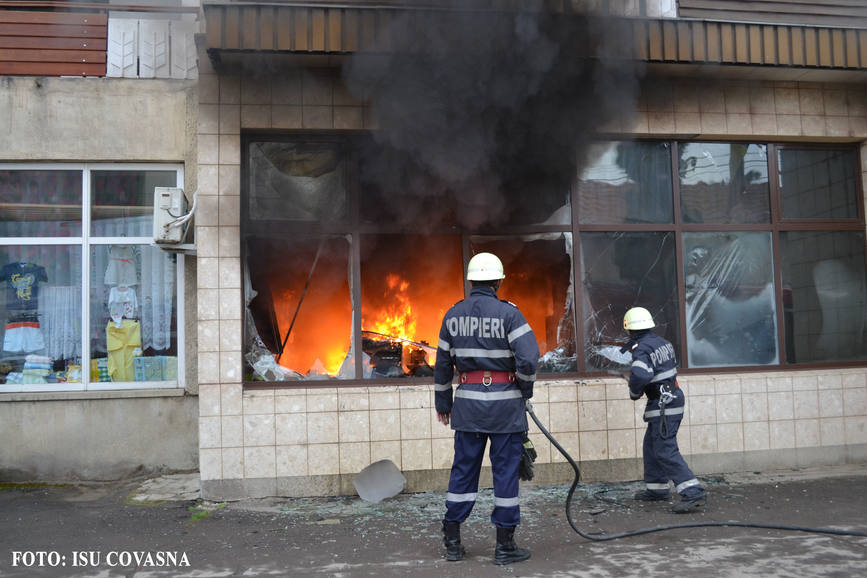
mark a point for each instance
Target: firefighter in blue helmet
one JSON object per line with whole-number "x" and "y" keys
{"x": 654, "y": 374}
{"x": 495, "y": 353}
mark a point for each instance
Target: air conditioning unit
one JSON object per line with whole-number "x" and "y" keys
{"x": 171, "y": 219}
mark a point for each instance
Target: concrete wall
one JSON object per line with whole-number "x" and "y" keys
{"x": 96, "y": 436}
{"x": 101, "y": 435}
{"x": 313, "y": 441}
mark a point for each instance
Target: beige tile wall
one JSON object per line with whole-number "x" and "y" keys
{"x": 256, "y": 434}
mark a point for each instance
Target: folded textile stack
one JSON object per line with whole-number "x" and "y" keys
{"x": 15, "y": 377}
{"x": 99, "y": 369}
{"x": 36, "y": 368}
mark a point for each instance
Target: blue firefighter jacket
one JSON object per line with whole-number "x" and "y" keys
{"x": 484, "y": 333}
{"x": 653, "y": 364}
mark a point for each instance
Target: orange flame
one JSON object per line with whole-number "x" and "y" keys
{"x": 396, "y": 319}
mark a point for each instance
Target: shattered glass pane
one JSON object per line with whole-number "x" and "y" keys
{"x": 298, "y": 309}
{"x": 724, "y": 183}
{"x": 404, "y": 299}
{"x": 626, "y": 182}
{"x": 730, "y": 304}
{"x": 539, "y": 281}
{"x": 620, "y": 271}
{"x": 824, "y": 294}
{"x": 818, "y": 184}
{"x": 296, "y": 181}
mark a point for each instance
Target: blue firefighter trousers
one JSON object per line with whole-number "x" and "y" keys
{"x": 505, "y": 454}
{"x": 663, "y": 462}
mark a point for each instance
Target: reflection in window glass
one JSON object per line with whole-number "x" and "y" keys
{"x": 724, "y": 183}
{"x": 539, "y": 281}
{"x": 299, "y": 310}
{"x": 825, "y": 296}
{"x": 403, "y": 301}
{"x": 133, "y": 314}
{"x": 730, "y": 306}
{"x": 41, "y": 316}
{"x": 40, "y": 203}
{"x": 627, "y": 182}
{"x": 818, "y": 184}
{"x": 620, "y": 271}
{"x": 296, "y": 181}
{"x": 123, "y": 201}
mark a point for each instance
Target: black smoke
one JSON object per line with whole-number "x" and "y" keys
{"x": 484, "y": 116}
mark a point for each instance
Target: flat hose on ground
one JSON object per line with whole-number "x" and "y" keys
{"x": 640, "y": 531}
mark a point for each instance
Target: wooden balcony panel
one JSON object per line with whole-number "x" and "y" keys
{"x": 52, "y": 69}
{"x": 335, "y": 31}
{"x": 52, "y": 43}
{"x": 266, "y": 28}
{"x": 53, "y": 18}
{"x": 684, "y": 42}
{"x": 70, "y": 56}
{"x": 838, "y": 50}
{"x": 769, "y": 45}
{"x": 250, "y": 35}
{"x": 301, "y": 31}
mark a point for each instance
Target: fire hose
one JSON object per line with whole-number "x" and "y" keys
{"x": 604, "y": 538}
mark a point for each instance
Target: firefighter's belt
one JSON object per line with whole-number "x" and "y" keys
{"x": 487, "y": 377}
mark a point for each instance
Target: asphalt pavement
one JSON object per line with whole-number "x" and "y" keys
{"x": 160, "y": 527}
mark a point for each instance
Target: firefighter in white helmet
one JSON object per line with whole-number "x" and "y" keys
{"x": 495, "y": 352}
{"x": 654, "y": 374}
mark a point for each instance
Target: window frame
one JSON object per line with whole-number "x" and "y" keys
{"x": 355, "y": 227}
{"x": 85, "y": 242}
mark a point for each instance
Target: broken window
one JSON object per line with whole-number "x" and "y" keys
{"x": 730, "y": 306}
{"x": 408, "y": 282}
{"x": 299, "y": 308}
{"x": 620, "y": 270}
{"x": 349, "y": 268}
{"x": 538, "y": 280}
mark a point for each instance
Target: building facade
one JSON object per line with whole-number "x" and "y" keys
{"x": 349, "y": 158}
{"x": 92, "y": 310}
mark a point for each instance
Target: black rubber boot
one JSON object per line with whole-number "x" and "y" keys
{"x": 452, "y": 541}
{"x": 506, "y": 551}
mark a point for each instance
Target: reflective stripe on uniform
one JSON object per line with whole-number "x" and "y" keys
{"x": 663, "y": 375}
{"x": 490, "y": 353}
{"x": 640, "y": 364}
{"x": 656, "y": 487}
{"x": 450, "y": 497}
{"x": 525, "y": 377}
{"x": 488, "y": 395}
{"x": 672, "y": 411}
{"x": 687, "y": 484}
{"x": 505, "y": 502}
{"x": 444, "y": 345}
{"x": 442, "y": 386}
{"x": 516, "y": 333}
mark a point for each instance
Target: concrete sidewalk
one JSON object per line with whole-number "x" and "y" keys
{"x": 160, "y": 527}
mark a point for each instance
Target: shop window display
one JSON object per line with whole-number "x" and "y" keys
{"x": 41, "y": 308}
{"x": 85, "y": 308}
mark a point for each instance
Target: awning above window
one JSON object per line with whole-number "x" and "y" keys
{"x": 320, "y": 34}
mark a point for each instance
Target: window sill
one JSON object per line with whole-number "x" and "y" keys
{"x": 76, "y": 395}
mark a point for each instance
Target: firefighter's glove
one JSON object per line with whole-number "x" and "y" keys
{"x": 528, "y": 456}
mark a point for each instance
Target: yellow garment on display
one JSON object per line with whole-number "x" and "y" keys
{"x": 121, "y": 343}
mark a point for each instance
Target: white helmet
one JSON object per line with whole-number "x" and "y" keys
{"x": 638, "y": 318}
{"x": 485, "y": 267}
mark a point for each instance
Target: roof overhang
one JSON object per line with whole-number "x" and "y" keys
{"x": 256, "y": 35}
